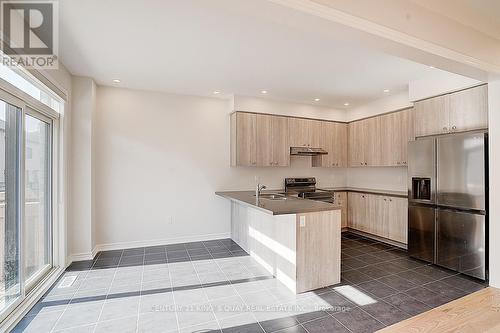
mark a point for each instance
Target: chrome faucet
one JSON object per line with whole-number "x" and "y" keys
{"x": 258, "y": 190}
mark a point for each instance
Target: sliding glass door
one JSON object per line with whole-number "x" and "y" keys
{"x": 10, "y": 212}
{"x": 37, "y": 226}
{"x": 25, "y": 200}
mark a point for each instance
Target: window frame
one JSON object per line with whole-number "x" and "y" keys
{"x": 14, "y": 96}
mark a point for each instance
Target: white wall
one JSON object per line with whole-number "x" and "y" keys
{"x": 494, "y": 180}
{"x": 390, "y": 103}
{"x": 80, "y": 242}
{"x": 267, "y": 105}
{"x": 382, "y": 178}
{"x": 438, "y": 84}
{"x": 159, "y": 158}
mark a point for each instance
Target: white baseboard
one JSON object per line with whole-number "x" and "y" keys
{"x": 133, "y": 244}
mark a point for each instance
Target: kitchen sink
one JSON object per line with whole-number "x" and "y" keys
{"x": 272, "y": 196}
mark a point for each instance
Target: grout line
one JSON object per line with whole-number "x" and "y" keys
{"x": 173, "y": 294}
{"x": 140, "y": 293}
{"x": 107, "y": 293}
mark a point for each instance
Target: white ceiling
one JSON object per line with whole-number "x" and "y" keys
{"x": 235, "y": 46}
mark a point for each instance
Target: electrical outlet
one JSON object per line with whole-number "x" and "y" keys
{"x": 302, "y": 221}
{"x": 170, "y": 220}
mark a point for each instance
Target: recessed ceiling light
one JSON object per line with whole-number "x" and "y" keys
{"x": 116, "y": 81}
{"x": 386, "y": 90}
{"x": 263, "y": 92}
{"x": 432, "y": 67}
{"x": 317, "y": 100}
{"x": 346, "y": 104}
{"x": 216, "y": 92}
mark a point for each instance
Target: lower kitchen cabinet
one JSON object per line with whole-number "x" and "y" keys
{"x": 340, "y": 199}
{"x": 379, "y": 215}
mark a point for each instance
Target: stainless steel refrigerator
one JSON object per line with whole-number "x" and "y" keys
{"x": 448, "y": 202}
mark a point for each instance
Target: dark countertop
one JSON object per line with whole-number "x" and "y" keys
{"x": 292, "y": 204}
{"x": 390, "y": 193}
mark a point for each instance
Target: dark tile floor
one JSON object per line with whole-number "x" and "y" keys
{"x": 216, "y": 286}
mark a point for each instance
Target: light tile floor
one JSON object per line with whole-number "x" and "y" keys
{"x": 216, "y": 286}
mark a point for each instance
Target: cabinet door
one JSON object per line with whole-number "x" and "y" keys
{"x": 356, "y": 143}
{"x": 246, "y": 139}
{"x": 315, "y": 128}
{"x": 340, "y": 145}
{"x": 299, "y": 132}
{"x": 432, "y": 116}
{"x": 341, "y": 200}
{"x": 389, "y": 139}
{"x": 379, "y": 215}
{"x": 280, "y": 145}
{"x": 398, "y": 219}
{"x": 406, "y": 134}
{"x": 264, "y": 140}
{"x": 326, "y": 141}
{"x": 355, "y": 210}
{"x": 371, "y": 137}
{"x": 469, "y": 109}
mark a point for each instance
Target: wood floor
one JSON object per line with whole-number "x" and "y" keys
{"x": 477, "y": 312}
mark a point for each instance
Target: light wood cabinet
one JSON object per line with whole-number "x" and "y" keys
{"x": 456, "y": 112}
{"x": 379, "y": 215}
{"x": 333, "y": 138}
{"x": 357, "y": 211}
{"x": 356, "y": 143}
{"x": 432, "y": 116}
{"x": 281, "y": 147}
{"x": 398, "y": 219}
{"x": 259, "y": 140}
{"x": 469, "y": 109}
{"x": 340, "y": 199}
{"x": 396, "y": 132}
{"x": 243, "y": 139}
{"x": 304, "y": 132}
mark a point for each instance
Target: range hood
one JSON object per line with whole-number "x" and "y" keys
{"x": 307, "y": 151}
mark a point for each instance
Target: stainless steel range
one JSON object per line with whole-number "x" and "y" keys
{"x": 306, "y": 188}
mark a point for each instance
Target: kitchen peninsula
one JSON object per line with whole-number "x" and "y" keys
{"x": 297, "y": 240}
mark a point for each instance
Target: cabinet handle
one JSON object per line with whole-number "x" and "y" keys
{"x": 361, "y": 163}
{"x": 454, "y": 128}
{"x": 366, "y": 163}
{"x": 445, "y": 128}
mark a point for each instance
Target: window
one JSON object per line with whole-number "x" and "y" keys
{"x": 10, "y": 269}
{"x": 28, "y": 126}
{"x": 20, "y": 79}
{"x": 37, "y": 197}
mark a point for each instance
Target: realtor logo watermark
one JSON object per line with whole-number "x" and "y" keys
{"x": 30, "y": 33}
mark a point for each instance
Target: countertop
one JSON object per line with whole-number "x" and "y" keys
{"x": 292, "y": 205}
{"x": 401, "y": 194}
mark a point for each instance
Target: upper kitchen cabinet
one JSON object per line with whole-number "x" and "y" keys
{"x": 357, "y": 136}
{"x": 456, "y": 112}
{"x": 432, "y": 116}
{"x": 259, "y": 140}
{"x": 333, "y": 139}
{"x": 304, "y": 132}
{"x": 380, "y": 140}
{"x": 469, "y": 109}
{"x": 243, "y": 139}
{"x": 396, "y": 132}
